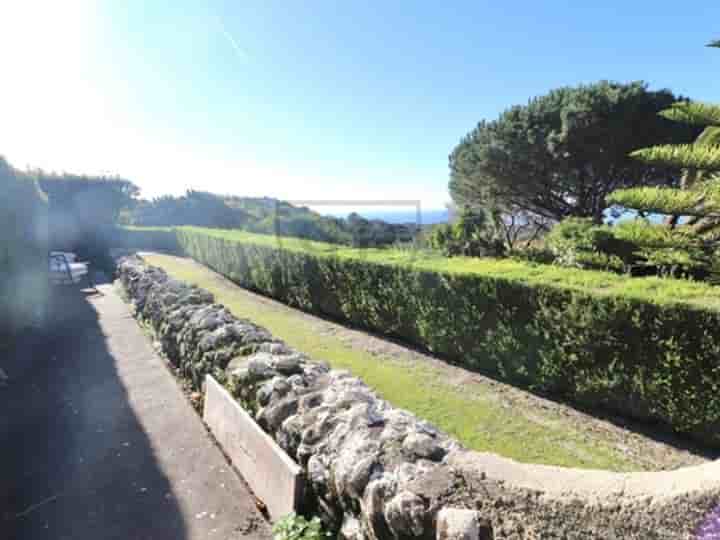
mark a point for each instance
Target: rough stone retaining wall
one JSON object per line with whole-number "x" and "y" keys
{"x": 377, "y": 472}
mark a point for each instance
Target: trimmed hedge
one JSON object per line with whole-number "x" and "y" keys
{"x": 150, "y": 238}
{"x": 641, "y": 353}
{"x": 23, "y": 252}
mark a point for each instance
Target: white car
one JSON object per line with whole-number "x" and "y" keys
{"x": 64, "y": 270}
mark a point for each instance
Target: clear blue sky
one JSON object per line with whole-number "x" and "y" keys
{"x": 313, "y": 99}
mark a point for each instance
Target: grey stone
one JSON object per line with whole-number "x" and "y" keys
{"x": 459, "y": 524}
{"x": 318, "y": 473}
{"x": 260, "y": 369}
{"x": 264, "y": 394}
{"x": 275, "y": 348}
{"x": 406, "y": 515}
{"x": 361, "y": 475}
{"x": 297, "y": 381}
{"x": 275, "y": 388}
{"x": 288, "y": 364}
{"x": 423, "y": 446}
{"x": 238, "y": 362}
{"x": 376, "y": 496}
{"x": 272, "y": 416}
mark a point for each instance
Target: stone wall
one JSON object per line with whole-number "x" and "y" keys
{"x": 376, "y": 472}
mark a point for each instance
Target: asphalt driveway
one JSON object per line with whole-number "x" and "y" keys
{"x": 97, "y": 440}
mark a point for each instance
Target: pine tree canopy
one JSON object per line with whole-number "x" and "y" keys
{"x": 698, "y": 114}
{"x": 686, "y": 156}
{"x": 562, "y": 153}
{"x": 668, "y": 201}
{"x": 697, "y": 198}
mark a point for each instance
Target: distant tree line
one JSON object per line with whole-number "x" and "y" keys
{"x": 81, "y": 210}
{"x": 197, "y": 208}
{"x": 265, "y": 216}
{"x": 83, "y": 207}
{"x": 90, "y": 200}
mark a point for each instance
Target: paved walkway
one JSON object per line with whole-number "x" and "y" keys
{"x": 97, "y": 440}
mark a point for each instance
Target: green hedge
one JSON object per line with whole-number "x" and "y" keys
{"x": 149, "y": 238}
{"x": 644, "y": 347}
{"x": 23, "y": 252}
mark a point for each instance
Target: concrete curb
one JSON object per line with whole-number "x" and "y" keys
{"x": 272, "y": 475}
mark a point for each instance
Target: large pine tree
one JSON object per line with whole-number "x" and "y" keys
{"x": 697, "y": 198}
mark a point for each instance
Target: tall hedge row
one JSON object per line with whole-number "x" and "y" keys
{"x": 149, "y": 238}
{"x": 651, "y": 361}
{"x": 23, "y": 252}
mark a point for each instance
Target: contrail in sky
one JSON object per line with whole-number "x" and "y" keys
{"x": 242, "y": 53}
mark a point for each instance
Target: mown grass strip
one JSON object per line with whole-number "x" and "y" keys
{"x": 478, "y": 421}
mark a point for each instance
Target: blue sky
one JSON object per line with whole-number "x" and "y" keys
{"x": 313, "y": 99}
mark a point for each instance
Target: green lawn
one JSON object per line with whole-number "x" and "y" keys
{"x": 478, "y": 421}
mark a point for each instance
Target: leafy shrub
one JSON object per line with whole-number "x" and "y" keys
{"x": 660, "y": 199}
{"x": 473, "y": 235}
{"x": 296, "y": 527}
{"x": 642, "y": 347}
{"x": 149, "y": 238}
{"x": 692, "y": 262}
{"x": 591, "y": 260}
{"x": 635, "y": 246}
{"x": 665, "y": 251}
{"x": 533, "y": 254}
{"x": 578, "y": 242}
{"x": 641, "y": 232}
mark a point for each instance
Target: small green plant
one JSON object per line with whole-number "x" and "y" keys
{"x": 637, "y": 246}
{"x": 296, "y": 527}
{"x": 580, "y": 243}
